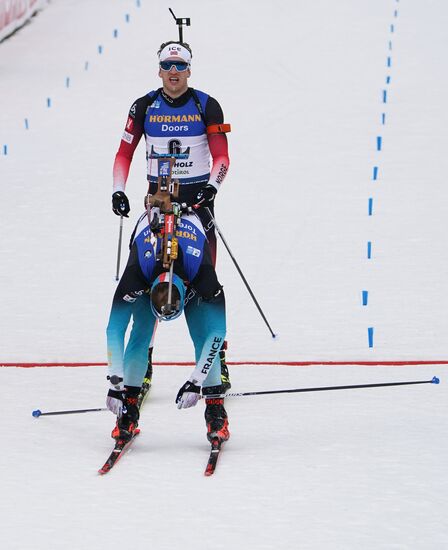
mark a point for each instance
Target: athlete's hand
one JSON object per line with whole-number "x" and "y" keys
{"x": 204, "y": 197}
{"x": 120, "y": 204}
{"x": 114, "y": 399}
{"x": 188, "y": 395}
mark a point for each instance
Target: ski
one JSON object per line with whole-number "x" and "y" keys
{"x": 120, "y": 448}
{"x": 213, "y": 458}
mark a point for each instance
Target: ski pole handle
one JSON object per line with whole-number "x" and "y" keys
{"x": 38, "y": 413}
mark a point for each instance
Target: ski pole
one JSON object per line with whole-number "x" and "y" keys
{"x": 240, "y": 272}
{"x": 38, "y": 413}
{"x": 434, "y": 380}
{"x": 120, "y": 237}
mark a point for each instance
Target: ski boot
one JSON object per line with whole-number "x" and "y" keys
{"x": 147, "y": 381}
{"x": 225, "y": 377}
{"x": 128, "y": 421}
{"x": 215, "y": 415}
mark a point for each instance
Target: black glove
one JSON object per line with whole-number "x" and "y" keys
{"x": 188, "y": 395}
{"x": 120, "y": 204}
{"x": 204, "y": 197}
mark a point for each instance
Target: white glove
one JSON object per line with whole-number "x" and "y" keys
{"x": 114, "y": 399}
{"x": 188, "y": 395}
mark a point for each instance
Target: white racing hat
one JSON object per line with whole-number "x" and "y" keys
{"x": 175, "y": 51}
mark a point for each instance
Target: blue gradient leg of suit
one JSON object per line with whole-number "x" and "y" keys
{"x": 207, "y": 321}
{"x": 136, "y": 353}
{"x": 119, "y": 317}
{"x": 207, "y": 325}
{"x": 130, "y": 363}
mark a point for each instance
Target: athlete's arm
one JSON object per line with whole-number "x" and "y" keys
{"x": 217, "y": 144}
{"x": 133, "y": 131}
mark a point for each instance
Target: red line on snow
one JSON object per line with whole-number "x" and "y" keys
{"x": 274, "y": 363}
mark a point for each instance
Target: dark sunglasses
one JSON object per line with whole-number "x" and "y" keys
{"x": 180, "y": 66}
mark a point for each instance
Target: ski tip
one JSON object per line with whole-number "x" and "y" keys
{"x": 435, "y": 380}
{"x": 275, "y": 336}
{"x": 36, "y": 413}
{"x": 208, "y": 473}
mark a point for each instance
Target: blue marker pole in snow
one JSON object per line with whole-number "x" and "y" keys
{"x": 5, "y": 149}
{"x": 370, "y": 336}
{"x": 365, "y": 297}
{"x": 369, "y": 250}
{"x": 370, "y": 206}
{"x": 375, "y": 173}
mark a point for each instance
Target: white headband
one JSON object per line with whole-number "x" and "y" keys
{"x": 175, "y": 51}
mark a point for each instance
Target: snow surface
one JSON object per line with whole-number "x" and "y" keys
{"x": 342, "y": 470}
{"x": 302, "y": 85}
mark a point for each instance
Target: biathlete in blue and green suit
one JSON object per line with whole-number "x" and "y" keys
{"x": 142, "y": 295}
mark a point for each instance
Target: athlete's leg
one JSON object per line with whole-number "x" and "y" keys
{"x": 206, "y": 320}
{"x": 136, "y": 354}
